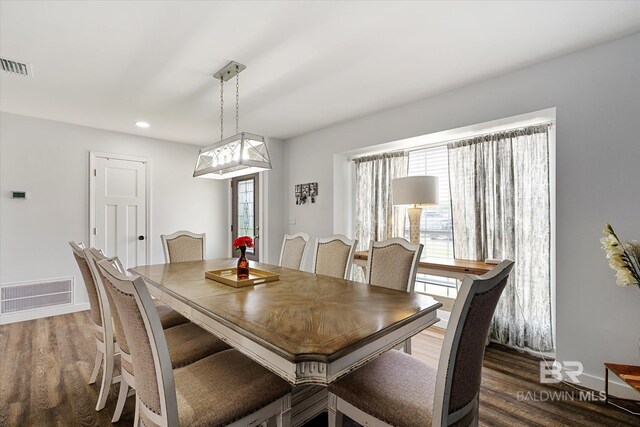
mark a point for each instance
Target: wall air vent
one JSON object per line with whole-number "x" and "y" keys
{"x": 15, "y": 67}
{"x": 16, "y": 297}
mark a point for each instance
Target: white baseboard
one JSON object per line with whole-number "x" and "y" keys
{"x": 616, "y": 388}
{"x": 444, "y": 319}
{"x": 39, "y": 314}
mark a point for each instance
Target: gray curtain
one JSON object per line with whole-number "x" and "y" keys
{"x": 500, "y": 208}
{"x": 376, "y": 217}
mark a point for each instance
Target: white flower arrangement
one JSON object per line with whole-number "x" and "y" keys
{"x": 624, "y": 259}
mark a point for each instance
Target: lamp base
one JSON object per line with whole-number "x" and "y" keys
{"x": 414, "y": 224}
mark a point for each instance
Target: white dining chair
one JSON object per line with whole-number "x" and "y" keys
{"x": 187, "y": 341}
{"x": 184, "y": 246}
{"x": 393, "y": 264}
{"x": 101, "y": 323}
{"x": 334, "y": 256}
{"x": 226, "y": 388}
{"x": 396, "y": 389}
{"x": 294, "y": 249}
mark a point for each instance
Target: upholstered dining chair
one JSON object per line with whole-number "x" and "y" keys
{"x": 393, "y": 264}
{"x": 294, "y": 248}
{"x": 100, "y": 322}
{"x": 101, "y": 317}
{"x": 226, "y": 388}
{"x": 334, "y": 256}
{"x": 187, "y": 342}
{"x": 396, "y": 389}
{"x": 184, "y": 246}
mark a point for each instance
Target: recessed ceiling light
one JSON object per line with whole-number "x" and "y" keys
{"x": 142, "y": 124}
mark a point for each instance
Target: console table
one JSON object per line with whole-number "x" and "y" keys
{"x": 630, "y": 374}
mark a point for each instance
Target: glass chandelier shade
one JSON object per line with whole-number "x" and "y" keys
{"x": 240, "y": 154}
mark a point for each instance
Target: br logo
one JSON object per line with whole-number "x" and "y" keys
{"x": 553, "y": 373}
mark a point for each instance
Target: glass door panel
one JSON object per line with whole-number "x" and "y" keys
{"x": 245, "y": 211}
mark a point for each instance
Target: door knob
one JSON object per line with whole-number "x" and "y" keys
{"x": 140, "y": 237}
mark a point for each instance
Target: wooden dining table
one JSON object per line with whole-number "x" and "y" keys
{"x": 309, "y": 329}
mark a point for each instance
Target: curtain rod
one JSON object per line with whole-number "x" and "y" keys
{"x": 480, "y": 135}
{"x": 448, "y": 141}
{"x": 499, "y": 132}
{"x": 382, "y": 154}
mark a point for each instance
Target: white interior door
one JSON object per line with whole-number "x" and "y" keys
{"x": 120, "y": 208}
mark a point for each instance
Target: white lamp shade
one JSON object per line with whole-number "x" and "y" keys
{"x": 415, "y": 190}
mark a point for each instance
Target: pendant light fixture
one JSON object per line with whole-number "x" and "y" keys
{"x": 241, "y": 154}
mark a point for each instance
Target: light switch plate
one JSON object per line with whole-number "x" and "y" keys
{"x": 292, "y": 220}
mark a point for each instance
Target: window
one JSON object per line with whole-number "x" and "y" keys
{"x": 245, "y": 211}
{"x": 436, "y": 231}
{"x": 435, "y": 225}
{"x": 479, "y": 156}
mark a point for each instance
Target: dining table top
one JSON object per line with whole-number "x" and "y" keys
{"x": 302, "y": 315}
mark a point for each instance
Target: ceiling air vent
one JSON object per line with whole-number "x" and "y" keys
{"x": 15, "y": 67}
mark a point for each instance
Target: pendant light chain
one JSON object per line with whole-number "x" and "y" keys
{"x": 237, "y": 100}
{"x": 221, "y": 109}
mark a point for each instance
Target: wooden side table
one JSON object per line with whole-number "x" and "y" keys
{"x": 628, "y": 373}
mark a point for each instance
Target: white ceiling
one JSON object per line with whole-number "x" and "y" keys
{"x": 309, "y": 64}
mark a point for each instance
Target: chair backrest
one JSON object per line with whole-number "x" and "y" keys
{"x": 460, "y": 367}
{"x": 110, "y": 310}
{"x": 393, "y": 264}
{"x": 95, "y": 303}
{"x": 294, "y": 248}
{"x": 184, "y": 246}
{"x": 155, "y": 386}
{"x": 333, "y": 256}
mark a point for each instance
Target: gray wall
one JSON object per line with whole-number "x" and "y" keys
{"x": 50, "y": 160}
{"x": 272, "y": 231}
{"x": 597, "y": 95}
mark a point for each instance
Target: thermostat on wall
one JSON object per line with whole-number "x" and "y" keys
{"x": 19, "y": 195}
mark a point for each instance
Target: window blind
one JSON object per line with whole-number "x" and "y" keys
{"x": 435, "y": 224}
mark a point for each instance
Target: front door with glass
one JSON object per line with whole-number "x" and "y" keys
{"x": 245, "y": 212}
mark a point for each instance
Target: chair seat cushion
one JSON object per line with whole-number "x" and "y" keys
{"x": 225, "y": 387}
{"x": 395, "y": 388}
{"x": 187, "y": 343}
{"x": 169, "y": 317}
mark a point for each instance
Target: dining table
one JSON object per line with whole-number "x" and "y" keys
{"x": 307, "y": 328}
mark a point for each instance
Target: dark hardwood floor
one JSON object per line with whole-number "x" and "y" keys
{"x": 45, "y": 366}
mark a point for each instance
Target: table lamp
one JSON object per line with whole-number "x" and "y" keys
{"x": 417, "y": 191}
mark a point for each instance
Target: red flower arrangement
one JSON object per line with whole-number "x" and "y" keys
{"x": 243, "y": 241}
{"x": 241, "y": 244}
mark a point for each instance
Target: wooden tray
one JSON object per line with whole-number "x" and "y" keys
{"x": 229, "y": 277}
